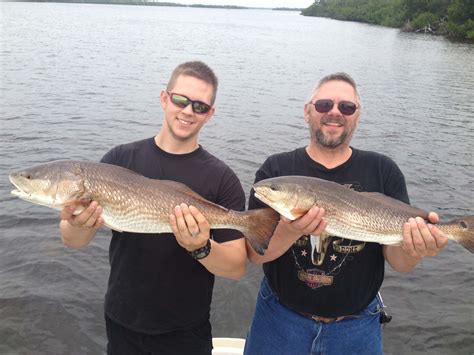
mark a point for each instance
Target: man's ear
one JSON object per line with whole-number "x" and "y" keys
{"x": 211, "y": 113}
{"x": 306, "y": 112}
{"x": 163, "y": 99}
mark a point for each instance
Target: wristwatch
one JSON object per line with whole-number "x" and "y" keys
{"x": 202, "y": 252}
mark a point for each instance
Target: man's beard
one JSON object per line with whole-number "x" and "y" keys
{"x": 327, "y": 142}
{"x": 319, "y": 138}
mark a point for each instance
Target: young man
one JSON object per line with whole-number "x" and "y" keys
{"x": 325, "y": 302}
{"x": 160, "y": 286}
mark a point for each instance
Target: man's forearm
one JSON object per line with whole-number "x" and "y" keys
{"x": 398, "y": 259}
{"x": 76, "y": 237}
{"x": 227, "y": 259}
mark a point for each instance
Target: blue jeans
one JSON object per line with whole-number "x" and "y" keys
{"x": 276, "y": 329}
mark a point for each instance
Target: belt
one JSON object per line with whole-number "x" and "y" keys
{"x": 323, "y": 319}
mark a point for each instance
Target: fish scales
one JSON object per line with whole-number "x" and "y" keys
{"x": 363, "y": 216}
{"x": 362, "y": 220}
{"x": 132, "y": 202}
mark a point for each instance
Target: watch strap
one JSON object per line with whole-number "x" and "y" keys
{"x": 202, "y": 252}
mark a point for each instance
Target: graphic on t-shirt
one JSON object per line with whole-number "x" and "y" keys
{"x": 319, "y": 259}
{"x": 315, "y": 278}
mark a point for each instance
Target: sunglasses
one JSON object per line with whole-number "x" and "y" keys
{"x": 183, "y": 101}
{"x": 345, "y": 107}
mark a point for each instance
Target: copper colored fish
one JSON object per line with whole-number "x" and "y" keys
{"x": 363, "y": 216}
{"x": 132, "y": 202}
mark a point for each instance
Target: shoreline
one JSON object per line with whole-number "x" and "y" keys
{"x": 152, "y": 3}
{"x": 438, "y": 28}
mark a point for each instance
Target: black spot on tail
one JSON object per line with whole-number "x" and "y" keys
{"x": 466, "y": 236}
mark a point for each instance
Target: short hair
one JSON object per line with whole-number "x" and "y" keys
{"x": 339, "y": 76}
{"x": 198, "y": 70}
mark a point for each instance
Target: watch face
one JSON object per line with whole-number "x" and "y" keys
{"x": 201, "y": 252}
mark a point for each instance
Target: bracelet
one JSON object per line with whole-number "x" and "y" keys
{"x": 202, "y": 252}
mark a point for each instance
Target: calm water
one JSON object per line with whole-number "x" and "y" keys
{"x": 78, "y": 79}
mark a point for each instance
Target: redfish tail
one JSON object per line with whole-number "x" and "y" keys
{"x": 465, "y": 236}
{"x": 261, "y": 224}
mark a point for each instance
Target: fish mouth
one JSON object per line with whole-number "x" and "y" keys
{"x": 22, "y": 194}
{"x": 262, "y": 198}
{"x": 34, "y": 199}
{"x": 280, "y": 210}
{"x": 18, "y": 192}
{"x": 29, "y": 197}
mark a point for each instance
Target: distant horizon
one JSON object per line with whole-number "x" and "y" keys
{"x": 259, "y": 4}
{"x": 246, "y": 3}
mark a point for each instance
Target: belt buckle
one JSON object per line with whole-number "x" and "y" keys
{"x": 325, "y": 319}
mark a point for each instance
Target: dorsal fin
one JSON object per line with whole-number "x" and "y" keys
{"x": 390, "y": 201}
{"x": 188, "y": 191}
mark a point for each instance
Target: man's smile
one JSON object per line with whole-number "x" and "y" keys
{"x": 184, "y": 122}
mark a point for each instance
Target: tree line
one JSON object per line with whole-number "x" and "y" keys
{"x": 452, "y": 18}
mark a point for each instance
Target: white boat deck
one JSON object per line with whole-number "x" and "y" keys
{"x": 228, "y": 346}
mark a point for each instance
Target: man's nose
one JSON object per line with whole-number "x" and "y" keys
{"x": 188, "y": 109}
{"x": 334, "y": 111}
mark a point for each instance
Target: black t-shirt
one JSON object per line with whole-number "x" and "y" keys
{"x": 346, "y": 277}
{"x": 154, "y": 285}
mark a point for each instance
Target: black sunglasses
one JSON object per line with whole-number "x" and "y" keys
{"x": 183, "y": 101}
{"x": 345, "y": 107}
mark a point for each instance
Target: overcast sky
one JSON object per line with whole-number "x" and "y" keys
{"x": 248, "y": 3}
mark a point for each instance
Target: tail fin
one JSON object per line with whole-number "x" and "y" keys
{"x": 261, "y": 224}
{"x": 465, "y": 233}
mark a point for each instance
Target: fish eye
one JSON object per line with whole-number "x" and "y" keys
{"x": 463, "y": 224}
{"x": 273, "y": 188}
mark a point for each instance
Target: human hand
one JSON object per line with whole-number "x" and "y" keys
{"x": 89, "y": 217}
{"x": 311, "y": 223}
{"x": 421, "y": 239}
{"x": 288, "y": 232}
{"x": 190, "y": 227}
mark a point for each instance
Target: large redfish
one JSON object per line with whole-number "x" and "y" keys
{"x": 363, "y": 216}
{"x": 132, "y": 202}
